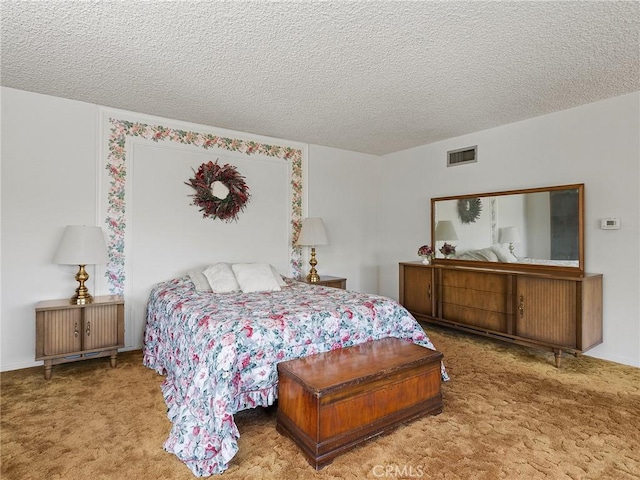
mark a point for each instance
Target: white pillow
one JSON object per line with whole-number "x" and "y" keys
{"x": 221, "y": 278}
{"x": 503, "y": 253}
{"x": 279, "y": 278}
{"x": 488, "y": 255}
{"x": 255, "y": 277}
{"x": 485, "y": 254}
{"x": 199, "y": 280}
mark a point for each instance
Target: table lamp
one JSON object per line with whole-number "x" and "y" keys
{"x": 311, "y": 235}
{"x": 509, "y": 235}
{"x": 444, "y": 232}
{"x": 81, "y": 245}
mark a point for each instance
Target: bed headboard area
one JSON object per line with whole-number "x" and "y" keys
{"x": 155, "y": 232}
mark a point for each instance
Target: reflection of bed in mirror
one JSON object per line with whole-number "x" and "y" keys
{"x": 498, "y": 253}
{"x": 533, "y": 227}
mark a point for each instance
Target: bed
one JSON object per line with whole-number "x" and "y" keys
{"x": 219, "y": 352}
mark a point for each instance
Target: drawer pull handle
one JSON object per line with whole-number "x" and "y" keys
{"x": 521, "y": 306}
{"x": 429, "y": 291}
{"x": 88, "y": 330}
{"x": 75, "y": 330}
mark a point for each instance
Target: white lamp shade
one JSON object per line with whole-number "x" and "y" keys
{"x": 312, "y": 233}
{"x": 509, "y": 235}
{"x": 81, "y": 245}
{"x": 445, "y": 230}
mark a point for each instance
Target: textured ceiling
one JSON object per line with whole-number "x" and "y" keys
{"x": 374, "y": 77}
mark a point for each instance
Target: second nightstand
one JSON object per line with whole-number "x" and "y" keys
{"x": 329, "y": 281}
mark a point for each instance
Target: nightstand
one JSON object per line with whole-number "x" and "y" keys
{"x": 68, "y": 333}
{"x": 329, "y": 281}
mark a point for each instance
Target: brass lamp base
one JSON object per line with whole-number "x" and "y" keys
{"x": 313, "y": 276}
{"x": 82, "y": 296}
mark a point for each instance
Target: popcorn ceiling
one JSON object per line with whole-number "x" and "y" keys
{"x": 373, "y": 77}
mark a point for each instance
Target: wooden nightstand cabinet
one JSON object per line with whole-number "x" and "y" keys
{"x": 329, "y": 281}
{"x": 69, "y": 333}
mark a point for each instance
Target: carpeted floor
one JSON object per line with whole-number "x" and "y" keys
{"x": 508, "y": 414}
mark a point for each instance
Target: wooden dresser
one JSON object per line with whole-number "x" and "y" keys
{"x": 554, "y": 311}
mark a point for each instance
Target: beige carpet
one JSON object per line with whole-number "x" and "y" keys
{"x": 508, "y": 414}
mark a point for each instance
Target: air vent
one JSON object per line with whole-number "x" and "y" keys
{"x": 462, "y": 156}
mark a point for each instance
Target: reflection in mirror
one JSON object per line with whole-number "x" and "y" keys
{"x": 541, "y": 226}
{"x": 509, "y": 235}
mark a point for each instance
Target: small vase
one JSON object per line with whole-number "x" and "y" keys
{"x": 426, "y": 260}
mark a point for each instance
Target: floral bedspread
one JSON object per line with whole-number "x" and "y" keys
{"x": 219, "y": 352}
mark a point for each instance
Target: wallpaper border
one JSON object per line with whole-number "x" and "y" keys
{"x": 116, "y": 168}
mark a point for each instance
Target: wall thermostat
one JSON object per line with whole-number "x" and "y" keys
{"x": 610, "y": 223}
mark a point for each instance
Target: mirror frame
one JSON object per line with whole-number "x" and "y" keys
{"x": 579, "y": 270}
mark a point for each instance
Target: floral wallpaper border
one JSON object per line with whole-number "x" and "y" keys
{"x": 116, "y": 167}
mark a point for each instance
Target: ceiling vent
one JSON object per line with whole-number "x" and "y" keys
{"x": 462, "y": 156}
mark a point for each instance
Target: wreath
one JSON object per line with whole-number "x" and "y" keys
{"x": 469, "y": 209}
{"x": 221, "y": 191}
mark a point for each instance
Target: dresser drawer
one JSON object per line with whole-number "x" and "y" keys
{"x": 478, "y": 299}
{"x": 480, "y": 281}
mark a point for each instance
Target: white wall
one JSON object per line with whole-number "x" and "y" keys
{"x": 343, "y": 191}
{"x": 596, "y": 144}
{"x": 48, "y": 181}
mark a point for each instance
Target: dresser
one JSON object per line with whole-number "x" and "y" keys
{"x": 68, "y": 333}
{"x": 553, "y": 311}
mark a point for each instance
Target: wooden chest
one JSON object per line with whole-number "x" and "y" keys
{"x": 330, "y": 402}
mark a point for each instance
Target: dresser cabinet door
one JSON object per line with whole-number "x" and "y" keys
{"x": 418, "y": 289}
{"x": 546, "y": 310}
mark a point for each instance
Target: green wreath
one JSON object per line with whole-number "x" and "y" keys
{"x": 469, "y": 209}
{"x": 221, "y": 191}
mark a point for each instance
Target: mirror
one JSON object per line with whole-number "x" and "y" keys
{"x": 536, "y": 228}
